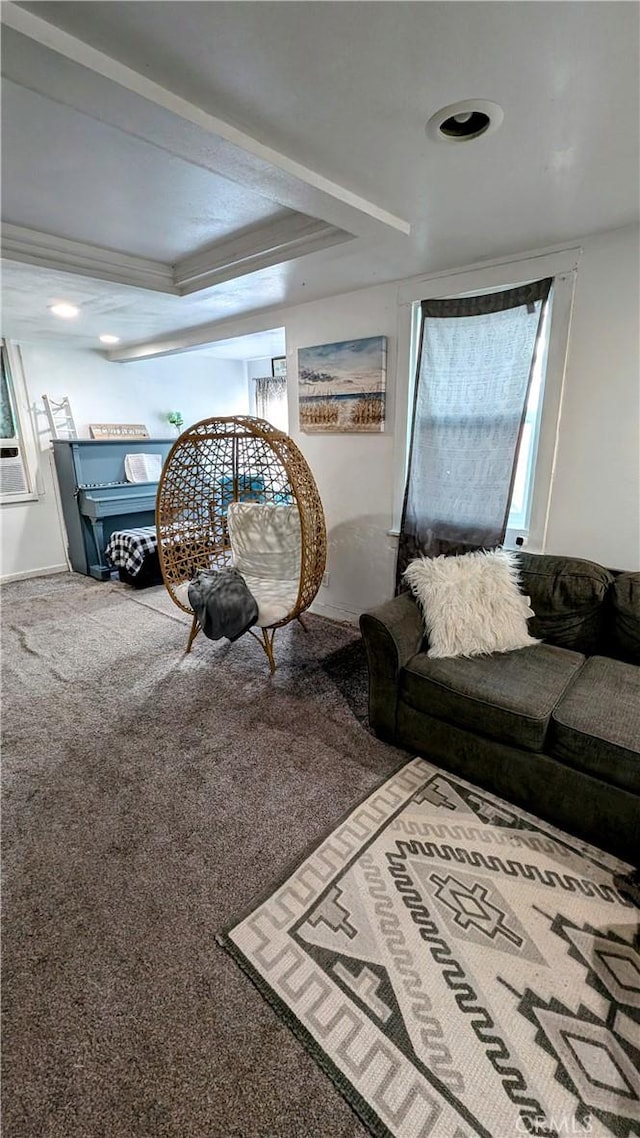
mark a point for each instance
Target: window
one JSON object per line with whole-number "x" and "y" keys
{"x": 530, "y": 500}
{"x": 16, "y": 478}
{"x": 522, "y": 493}
{"x": 475, "y": 364}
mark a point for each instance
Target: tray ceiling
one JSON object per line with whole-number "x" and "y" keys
{"x": 239, "y": 160}
{"x": 131, "y": 196}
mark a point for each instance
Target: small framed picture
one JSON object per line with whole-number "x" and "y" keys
{"x": 279, "y": 366}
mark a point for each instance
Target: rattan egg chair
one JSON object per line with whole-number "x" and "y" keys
{"x": 220, "y": 462}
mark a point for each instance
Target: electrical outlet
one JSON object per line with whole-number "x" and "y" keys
{"x": 325, "y": 579}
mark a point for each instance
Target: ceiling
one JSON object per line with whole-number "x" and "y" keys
{"x": 173, "y": 168}
{"x": 266, "y": 345}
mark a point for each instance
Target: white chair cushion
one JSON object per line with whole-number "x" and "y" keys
{"x": 182, "y": 593}
{"x": 275, "y": 599}
{"x": 266, "y": 546}
{"x": 266, "y": 540}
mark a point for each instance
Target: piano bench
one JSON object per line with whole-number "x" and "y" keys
{"x": 134, "y": 552}
{"x": 149, "y": 574}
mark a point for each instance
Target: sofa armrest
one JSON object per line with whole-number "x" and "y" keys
{"x": 392, "y": 634}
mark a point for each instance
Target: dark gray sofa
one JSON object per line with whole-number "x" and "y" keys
{"x": 554, "y": 727}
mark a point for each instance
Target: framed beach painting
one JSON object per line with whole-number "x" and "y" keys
{"x": 342, "y": 386}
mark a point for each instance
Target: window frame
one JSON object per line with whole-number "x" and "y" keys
{"x": 25, "y": 438}
{"x": 560, "y": 264}
{"x": 521, "y": 530}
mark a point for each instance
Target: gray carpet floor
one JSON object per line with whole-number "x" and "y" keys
{"x": 148, "y": 798}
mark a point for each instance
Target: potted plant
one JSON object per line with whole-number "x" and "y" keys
{"x": 176, "y": 420}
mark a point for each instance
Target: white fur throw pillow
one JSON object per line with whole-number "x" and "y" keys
{"x": 472, "y": 604}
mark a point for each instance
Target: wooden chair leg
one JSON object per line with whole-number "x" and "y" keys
{"x": 195, "y": 628}
{"x": 267, "y": 644}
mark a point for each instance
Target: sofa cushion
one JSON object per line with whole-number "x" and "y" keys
{"x": 568, "y": 598}
{"x": 471, "y": 603}
{"x": 625, "y": 597}
{"x": 507, "y": 696}
{"x": 596, "y": 725}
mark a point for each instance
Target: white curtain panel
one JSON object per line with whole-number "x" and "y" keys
{"x": 271, "y": 401}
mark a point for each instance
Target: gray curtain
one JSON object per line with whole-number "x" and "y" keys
{"x": 475, "y": 363}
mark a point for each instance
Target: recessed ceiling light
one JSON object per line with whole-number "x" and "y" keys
{"x": 64, "y": 310}
{"x": 460, "y": 122}
{"x": 107, "y": 338}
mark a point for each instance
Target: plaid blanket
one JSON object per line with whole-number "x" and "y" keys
{"x": 127, "y": 548}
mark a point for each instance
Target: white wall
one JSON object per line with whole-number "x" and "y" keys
{"x": 256, "y": 369}
{"x": 140, "y": 392}
{"x": 595, "y": 499}
{"x": 103, "y": 392}
{"x": 354, "y": 472}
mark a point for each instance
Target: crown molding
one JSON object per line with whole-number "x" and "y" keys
{"x": 258, "y": 248}
{"x": 51, "y": 252}
{"x": 273, "y": 243}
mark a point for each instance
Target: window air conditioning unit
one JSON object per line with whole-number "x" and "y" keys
{"x": 13, "y": 476}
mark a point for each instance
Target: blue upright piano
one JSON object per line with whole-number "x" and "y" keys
{"x": 96, "y": 498}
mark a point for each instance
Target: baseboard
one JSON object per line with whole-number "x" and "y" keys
{"x": 333, "y": 612}
{"x": 48, "y": 571}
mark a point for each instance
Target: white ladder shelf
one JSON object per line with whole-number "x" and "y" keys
{"x": 58, "y": 412}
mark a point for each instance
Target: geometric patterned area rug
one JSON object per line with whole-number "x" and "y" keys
{"x": 457, "y": 966}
